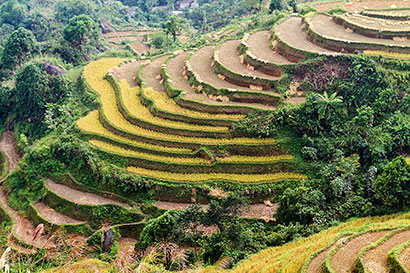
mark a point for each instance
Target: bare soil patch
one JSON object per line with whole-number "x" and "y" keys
{"x": 229, "y": 57}
{"x": 315, "y": 265}
{"x": 343, "y": 260}
{"x": 151, "y": 74}
{"x": 259, "y": 45}
{"x": 83, "y": 198}
{"x": 326, "y": 27}
{"x": 54, "y": 216}
{"x": 290, "y": 32}
{"x": 376, "y": 258}
{"x": 371, "y": 4}
{"x": 126, "y": 71}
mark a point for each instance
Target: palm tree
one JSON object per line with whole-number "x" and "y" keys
{"x": 328, "y": 104}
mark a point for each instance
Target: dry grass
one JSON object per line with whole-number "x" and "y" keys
{"x": 202, "y": 177}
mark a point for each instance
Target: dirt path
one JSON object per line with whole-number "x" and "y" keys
{"x": 201, "y": 63}
{"x": 404, "y": 257}
{"x": 290, "y": 32}
{"x": 229, "y": 57}
{"x": 175, "y": 68}
{"x": 376, "y": 258}
{"x": 343, "y": 260}
{"x": 53, "y": 216}
{"x": 261, "y": 211}
{"x": 259, "y": 45}
{"x": 126, "y": 71}
{"x": 8, "y": 147}
{"x": 315, "y": 265}
{"x": 326, "y": 27}
{"x": 83, "y": 198}
{"x": 151, "y": 73}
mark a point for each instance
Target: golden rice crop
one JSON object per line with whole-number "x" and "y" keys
{"x": 94, "y": 75}
{"x": 91, "y": 124}
{"x": 125, "y": 152}
{"x": 200, "y": 177}
{"x": 387, "y": 54}
{"x": 254, "y": 159}
{"x": 134, "y": 106}
{"x": 165, "y": 103}
{"x": 292, "y": 256}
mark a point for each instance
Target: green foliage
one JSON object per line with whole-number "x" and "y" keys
{"x": 276, "y": 5}
{"x": 13, "y": 13}
{"x": 393, "y": 185}
{"x": 303, "y": 205}
{"x": 20, "y": 46}
{"x": 81, "y": 31}
{"x": 174, "y": 25}
{"x": 67, "y": 9}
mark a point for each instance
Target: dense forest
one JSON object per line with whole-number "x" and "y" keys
{"x": 84, "y": 118}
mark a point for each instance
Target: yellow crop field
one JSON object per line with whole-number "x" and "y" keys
{"x": 165, "y": 103}
{"x": 292, "y": 256}
{"x": 202, "y": 177}
{"x": 91, "y": 124}
{"x": 408, "y": 160}
{"x": 387, "y": 54}
{"x": 94, "y": 75}
{"x": 254, "y": 159}
{"x": 122, "y": 151}
{"x": 134, "y": 106}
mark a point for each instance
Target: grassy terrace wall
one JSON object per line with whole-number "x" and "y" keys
{"x": 259, "y": 64}
{"x": 368, "y": 31}
{"x": 233, "y": 95}
{"x": 179, "y": 95}
{"x": 393, "y": 262}
{"x": 290, "y": 52}
{"x": 348, "y": 46}
{"x": 151, "y": 126}
{"x": 240, "y": 79}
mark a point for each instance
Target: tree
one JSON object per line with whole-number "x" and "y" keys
{"x": 393, "y": 185}
{"x": 70, "y": 8}
{"x": 300, "y": 205}
{"x": 20, "y": 46}
{"x": 174, "y": 25}
{"x": 81, "y": 31}
{"x": 294, "y": 5}
{"x": 35, "y": 89}
{"x": 276, "y": 5}
{"x": 328, "y": 104}
{"x": 13, "y": 13}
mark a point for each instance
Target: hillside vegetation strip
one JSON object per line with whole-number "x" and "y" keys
{"x": 204, "y": 177}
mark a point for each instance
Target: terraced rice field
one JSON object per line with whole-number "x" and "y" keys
{"x": 112, "y": 132}
{"x": 324, "y": 26}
